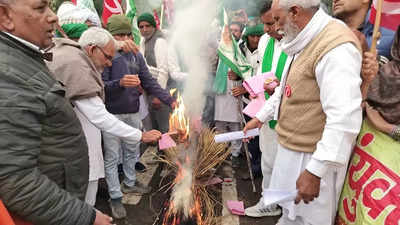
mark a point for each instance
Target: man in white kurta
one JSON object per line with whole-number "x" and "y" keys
{"x": 270, "y": 56}
{"x": 316, "y": 172}
{"x": 86, "y": 93}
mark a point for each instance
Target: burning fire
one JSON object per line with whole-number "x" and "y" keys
{"x": 184, "y": 204}
{"x": 178, "y": 122}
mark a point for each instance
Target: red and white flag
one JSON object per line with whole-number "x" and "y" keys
{"x": 111, "y": 7}
{"x": 390, "y": 14}
{"x": 169, "y": 10}
{"x": 156, "y": 18}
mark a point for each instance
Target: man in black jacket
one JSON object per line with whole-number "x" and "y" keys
{"x": 43, "y": 151}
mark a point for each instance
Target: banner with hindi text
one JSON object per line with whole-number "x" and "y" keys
{"x": 371, "y": 192}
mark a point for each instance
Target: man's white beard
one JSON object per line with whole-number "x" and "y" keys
{"x": 290, "y": 32}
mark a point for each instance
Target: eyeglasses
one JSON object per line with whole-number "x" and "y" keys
{"x": 109, "y": 57}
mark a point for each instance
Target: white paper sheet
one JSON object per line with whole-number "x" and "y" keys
{"x": 272, "y": 196}
{"x": 238, "y": 135}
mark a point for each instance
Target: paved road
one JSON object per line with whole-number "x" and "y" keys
{"x": 144, "y": 210}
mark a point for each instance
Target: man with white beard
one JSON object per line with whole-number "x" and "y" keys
{"x": 320, "y": 113}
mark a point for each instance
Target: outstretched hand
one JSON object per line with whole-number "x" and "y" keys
{"x": 102, "y": 219}
{"x": 151, "y": 136}
{"x": 254, "y": 123}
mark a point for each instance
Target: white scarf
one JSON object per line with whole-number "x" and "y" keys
{"x": 312, "y": 29}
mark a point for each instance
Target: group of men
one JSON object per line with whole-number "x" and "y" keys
{"x": 59, "y": 106}
{"x": 53, "y": 122}
{"x": 321, "y": 63}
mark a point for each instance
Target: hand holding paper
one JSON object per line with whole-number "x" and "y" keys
{"x": 273, "y": 197}
{"x": 255, "y": 84}
{"x": 238, "y": 135}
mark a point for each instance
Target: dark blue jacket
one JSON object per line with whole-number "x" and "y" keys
{"x": 121, "y": 100}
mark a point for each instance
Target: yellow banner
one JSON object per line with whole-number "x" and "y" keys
{"x": 371, "y": 193}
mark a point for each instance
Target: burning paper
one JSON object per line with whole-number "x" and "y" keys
{"x": 238, "y": 135}
{"x": 178, "y": 122}
{"x": 166, "y": 142}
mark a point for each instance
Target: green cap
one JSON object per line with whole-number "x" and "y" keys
{"x": 257, "y": 30}
{"x": 148, "y": 18}
{"x": 73, "y": 30}
{"x": 119, "y": 24}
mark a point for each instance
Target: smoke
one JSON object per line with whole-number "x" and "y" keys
{"x": 188, "y": 35}
{"x": 182, "y": 194}
{"x": 154, "y": 4}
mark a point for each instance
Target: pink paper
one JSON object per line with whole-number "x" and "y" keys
{"x": 196, "y": 124}
{"x": 215, "y": 180}
{"x": 255, "y": 106}
{"x": 255, "y": 84}
{"x": 166, "y": 142}
{"x": 236, "y": 207}
{"x": 272, "y": 85}
{"x": 212, "y": 181}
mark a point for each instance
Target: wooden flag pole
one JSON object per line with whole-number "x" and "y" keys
{"x": 375, "y": 37}
{"x": 376, "y": 34}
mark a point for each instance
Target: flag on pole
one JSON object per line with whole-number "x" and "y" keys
{"x": 230, "y": 57}
{"x": 156, "y": 18}
{"x": 87, "y": 7}
{"x": 390, "y": 14}
{"x": 111, "y": 7}
{"x": 131, "y": 14}
{"x": 86, "y": 4}
{"x": 169, "y": 10}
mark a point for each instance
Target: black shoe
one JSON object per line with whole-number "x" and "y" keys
{"x": 117, "y": 208}
{"x": 140, "y": 167}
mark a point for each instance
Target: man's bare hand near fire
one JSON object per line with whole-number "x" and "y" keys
{"x": 151, "y": 136}
{"x": 254, "y": 123}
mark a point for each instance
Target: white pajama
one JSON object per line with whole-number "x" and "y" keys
{"x": 268, "y": 147}
{"x": 91, "y": 192}
{"x": 288, "y": 167}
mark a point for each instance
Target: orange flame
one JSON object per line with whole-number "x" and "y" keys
{"x": 178, "y": 122}
{"x": 196, "y": 211}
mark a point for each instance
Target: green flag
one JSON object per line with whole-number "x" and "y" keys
{"x": 230, "y": 57}
{"x": 131, "y": 14}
